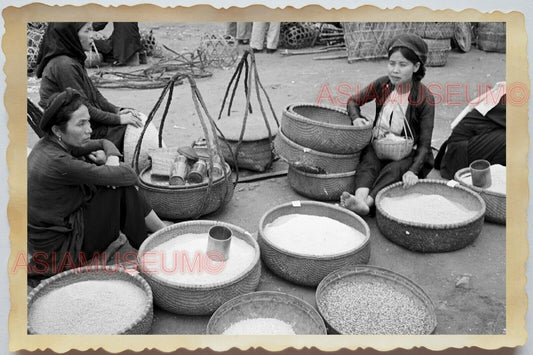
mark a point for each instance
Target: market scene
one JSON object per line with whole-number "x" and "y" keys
{"x": 248, "y": 178}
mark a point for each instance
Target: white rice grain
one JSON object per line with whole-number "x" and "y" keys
{"x": 260, "y": 326}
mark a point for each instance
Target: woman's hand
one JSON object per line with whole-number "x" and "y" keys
{"x": 130, "y": 118}
{"x": 128, "y": 110}
{"x": 409, "y": 179}
{"x": 98, "y": 157}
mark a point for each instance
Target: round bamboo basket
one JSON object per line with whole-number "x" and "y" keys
{"x": 495, "y": 202}
{"x": 252, "y": 155}
{"x": 491, "y": 37}
{"x": 425, "y": 237}
{"x": 302, "y": 317}
{"x": 324, "y": 129}
{"x": 438, "y": 50}
{"x": 304, "y": 269}
{"x": 141, "y": 325}
{"x": 186, "y": 202}
{"x": 323, "y": 187}
{"x": 392, "y": 150}
{"x": 294, "y": 153}
{"x": 463, "y": 36}
{"x": 359, "y": 273}
{"x": 189, "y": 299}
{"x": 439, "y": 30}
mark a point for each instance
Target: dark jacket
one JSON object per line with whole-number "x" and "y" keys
{"x": 420, "y": 116}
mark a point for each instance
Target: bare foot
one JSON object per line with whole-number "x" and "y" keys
{"x": 353, "y": 204}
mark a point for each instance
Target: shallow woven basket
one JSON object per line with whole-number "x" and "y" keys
{"x": 438, "y": 50}
{"x": 294, "y": 153}
{"x": 323, "y": 128}
{"x": 323, "y": 187}
{"x": 186, "y": 202}
{"x": 199, "y": 299}
{"x": 252, "y": 155}
{"x": 141, "y": 325}
{"x": 425, "y": 237}
{"x": 392, "y": 150}
{"x": 495, "y": 202}
{"x": 310, "y": 270}
{"x": 303, "y": 318}
{"x": 352, "y": 273}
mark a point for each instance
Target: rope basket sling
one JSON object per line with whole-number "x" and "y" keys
{"x": 186, "y": 202}
{"x": 257, "y": 155}
{"x": 394, "y": 149}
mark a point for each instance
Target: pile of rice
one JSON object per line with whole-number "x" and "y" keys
{"x": 259, "y": 326}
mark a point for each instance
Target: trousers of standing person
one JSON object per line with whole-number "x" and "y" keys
{"x": 271, "y": 29}
{"x": 242, "y": 31}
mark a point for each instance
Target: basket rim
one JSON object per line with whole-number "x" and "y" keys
{"x": 314, "y": 257}
{"x": 289, "y": 108}
{"x": 378, "y": 272}
{"x": 108, "y": 270}
{"x": 306, "y": 150}
{"x": 464, "y": 223}
{"x": 204, "y": 287}
{"x": 250, "y": 296}
{"x": 322, "y": 176}
{"x": 169, "y": 188}
{"x": 458, "y": 177}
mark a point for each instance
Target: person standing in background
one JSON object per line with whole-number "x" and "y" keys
{"x": 242, "y": 31}
{"x": 259, "y": 29}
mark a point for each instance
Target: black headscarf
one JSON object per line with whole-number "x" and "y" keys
{"x": 60, "y": 38}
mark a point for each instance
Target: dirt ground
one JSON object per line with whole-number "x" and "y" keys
{"x": 290, "y": 79}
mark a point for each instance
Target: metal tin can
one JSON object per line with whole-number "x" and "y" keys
{"x": 178, "y": 171}
{"x": 198, "y": 172}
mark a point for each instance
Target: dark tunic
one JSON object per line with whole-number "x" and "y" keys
{"x": 62, "y": 188}
{"x": 123, "y": 43}
{"x": 376, "y": 174}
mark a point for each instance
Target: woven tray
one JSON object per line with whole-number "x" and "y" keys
{"x": 495, "y": 202}
{"x": 323, "y": 187}
{"x": 185, "y": 201}
{"x": 324, "y": 129}
{"x": 141, "y": 325}
{"x": 303, "y": 318}
{"x": 194, "y": 299}
{"x": 426, "y": 237}
{"x": 357, "y": 273}
{"x": 310, "y": 270}
{"x": 294, "y": 153}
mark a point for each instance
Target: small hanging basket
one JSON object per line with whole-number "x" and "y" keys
{"x": 397, "y": 148}
{"x": 194, "y": 200}
{"x": 220, "y": 51}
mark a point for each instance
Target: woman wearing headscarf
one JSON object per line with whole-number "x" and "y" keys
{"x": 122, "y": 45}
{"x": 61, "y": 65}
{"x": 402, "y": 101}
{"x": 79, "y": 195}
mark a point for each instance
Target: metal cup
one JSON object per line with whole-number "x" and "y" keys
{"x": 218, "y": 243}
{"x": 480, "y": 171}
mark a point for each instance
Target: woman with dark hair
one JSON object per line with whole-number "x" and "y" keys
{"x": 60, "y": 64}
{"x": 79, "y": 195}
{"x": 402, "y": 101}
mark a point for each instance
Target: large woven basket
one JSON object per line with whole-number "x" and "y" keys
{"x": 495, "y": 202}
{"x": 195, "y": 299}
{"x": 392, "y": 150}
{"x": 425, "y": 237}
{"x": 252, "y": 155}
{"x": 302, "y": 317}
{"x": 310, "y": 270}
{"x": 438, "y": 50}
{"x": 491, "y": 36}
{"x": 186, "y": 202}
{"x": 323, "y": 187}
{"x": 439, "y": 30}
{"x": 323, "y": 128}
{"x": 141, "y": 325}
{"x": 359, "y": 272}
{"x": 331, "y": 163}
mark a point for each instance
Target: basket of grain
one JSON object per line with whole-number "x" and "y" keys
{"x": 323, "y": 187}
{"x": 91, "y": 300}
{"x": 185, "y": 280}
{"x": 303, "y": 241}
{"x": 494, "y": 196}
{"x": 298, "y": 155}
{"x": 369, "y": 300}
{"x": 431, "y": 216}
{"x": 324, "y": 128}
{"x": 266, "y": 313}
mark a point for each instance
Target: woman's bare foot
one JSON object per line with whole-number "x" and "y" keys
{"x": 354, "y": 204}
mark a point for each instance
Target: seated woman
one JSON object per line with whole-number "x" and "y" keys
{"x": 399, "y": 97}
{"x": 79, "y": 196}
{"x": 61, "y": 65}
{"x": 122, "y": 45}
{"x": 479, "y": 134}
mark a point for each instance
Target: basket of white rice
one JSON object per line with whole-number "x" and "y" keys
{"x": 368, "y": 300}
{"x": 495, "y": 196}
{"x": 266, "y": 313}
{"x": 303, "y": 241}
{"x": 431, "y": 216}
{"x": 184, "y": 280}
{"x": 91, "y": 300}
